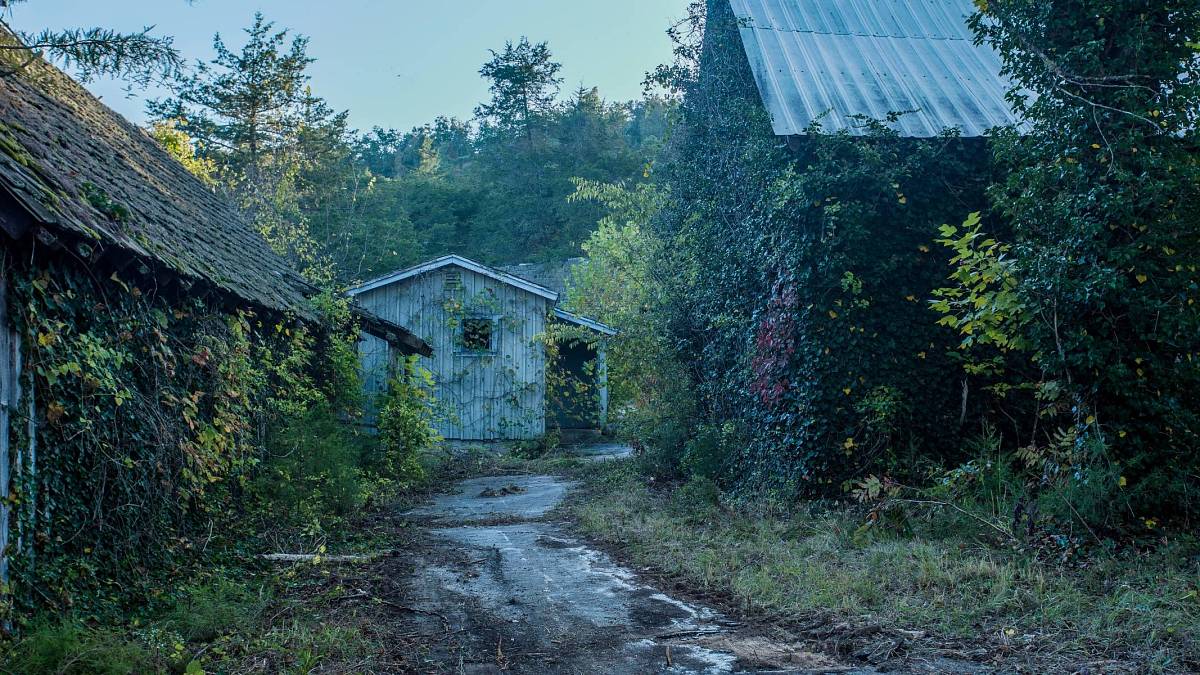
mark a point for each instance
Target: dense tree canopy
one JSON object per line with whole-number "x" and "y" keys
{"x": 348, "y": 205}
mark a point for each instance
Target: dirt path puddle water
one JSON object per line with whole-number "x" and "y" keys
{"x": 511, "y": 592}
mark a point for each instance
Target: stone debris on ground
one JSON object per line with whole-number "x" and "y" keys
{"x": 511, "y": 489}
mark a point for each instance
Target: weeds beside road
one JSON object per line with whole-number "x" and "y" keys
{"x": 942, "y": 593}
{"x": 1135, "y": 611}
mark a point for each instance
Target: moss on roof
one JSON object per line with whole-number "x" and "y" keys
{"x": 77, "y": 166}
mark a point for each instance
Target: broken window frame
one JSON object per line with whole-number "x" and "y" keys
{"x": 493, "y": 327}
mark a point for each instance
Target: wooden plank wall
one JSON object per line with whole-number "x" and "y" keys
{"x": 10, "y": 397}
{"x": 499, "y": 396}
{"x": 374, "y": 357}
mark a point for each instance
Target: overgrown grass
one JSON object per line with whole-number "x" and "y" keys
{"x": 70, "y": 648}
{"x": 219, "y": 626}
{"x": 1143, "y": 607}
{"x": 237, "y": 616}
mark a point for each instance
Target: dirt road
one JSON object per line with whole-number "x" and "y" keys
{"x": 509, "y": 590}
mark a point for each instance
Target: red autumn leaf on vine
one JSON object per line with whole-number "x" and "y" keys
{"x": 201, "y": 357}
{"x": 775, "y": 345}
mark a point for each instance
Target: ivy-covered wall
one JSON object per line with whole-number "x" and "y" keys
{"x": 150, "y": 411}
{"x": 805, "y": 267}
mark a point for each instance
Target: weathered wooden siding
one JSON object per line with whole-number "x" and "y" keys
{"x": 10, "y": 398}
{"x": 375, "y": 358}
{"x": 497, "y": 396}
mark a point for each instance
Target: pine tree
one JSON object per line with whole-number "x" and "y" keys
{"x": 244, "y": 104}
{"x": 139, "y": 58}
{"x": 281, "y": 153}
{"x": 524, "y": 85}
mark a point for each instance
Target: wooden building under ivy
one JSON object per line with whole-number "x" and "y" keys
{"x": 820, "y": 146}
{"x": 509, "y": 363}
{"x": 94, "y": 212}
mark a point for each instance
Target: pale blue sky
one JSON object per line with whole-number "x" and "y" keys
{"x": 399, "y": 63}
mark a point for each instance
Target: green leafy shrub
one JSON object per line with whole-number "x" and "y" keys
{"x": 709, "y": 448}
{"x": 1095, "y": 282}
{"x": 539, "y": 447}
{"x": 406, "y": 427}
{"x": 661, "y": 429}
{"x": 203, "y": 612}
{"x": 312, "y": 472}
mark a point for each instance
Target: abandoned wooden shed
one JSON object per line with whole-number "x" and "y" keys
{"x": 85, "y": 195}
{"x": 508, "y": 362}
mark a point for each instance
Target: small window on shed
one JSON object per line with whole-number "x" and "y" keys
{"x": 478, "y": 334}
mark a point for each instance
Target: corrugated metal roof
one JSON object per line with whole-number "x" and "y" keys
{"x": 841, "y": 58}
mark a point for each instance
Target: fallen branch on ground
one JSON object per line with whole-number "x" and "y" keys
{"x": 314, "y": 557}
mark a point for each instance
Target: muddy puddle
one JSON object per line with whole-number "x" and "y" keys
{"x": 507, "y": 590}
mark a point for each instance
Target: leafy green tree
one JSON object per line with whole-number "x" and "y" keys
{"x": 621, "y": 285}
{"x": 177, "y": 142}
{"x": 1101, "y": 195}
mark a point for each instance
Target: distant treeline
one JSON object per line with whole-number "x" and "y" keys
{"x": 347, "y": 205}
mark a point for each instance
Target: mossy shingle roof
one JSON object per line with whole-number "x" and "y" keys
{"x": 77, "y": 166}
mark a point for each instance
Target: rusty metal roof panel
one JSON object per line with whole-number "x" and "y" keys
{"x": 834, "y": 60}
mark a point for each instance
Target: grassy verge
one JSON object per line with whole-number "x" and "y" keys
{"x": 242, "y": 615}
{"x": 1141, "y": 608}
{"x": 218, "y": 625}
{"x": 233, "y": 612}
{"x": 238, "y": 614}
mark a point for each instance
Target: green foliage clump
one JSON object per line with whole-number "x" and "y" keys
{"x": 205, "y": 611}
{"x": 619, "y": 285}
{"x": 312, "y": 475}
{"x": 982, "y": 304}
{"x": 1101, "y": 265}
{"x": 539, "y": 447}
{"x": 406, "y": 428}
{"x": 175, "y": 140}
{"x": 100, "y": 201}
{"x": 70, "y": 648}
